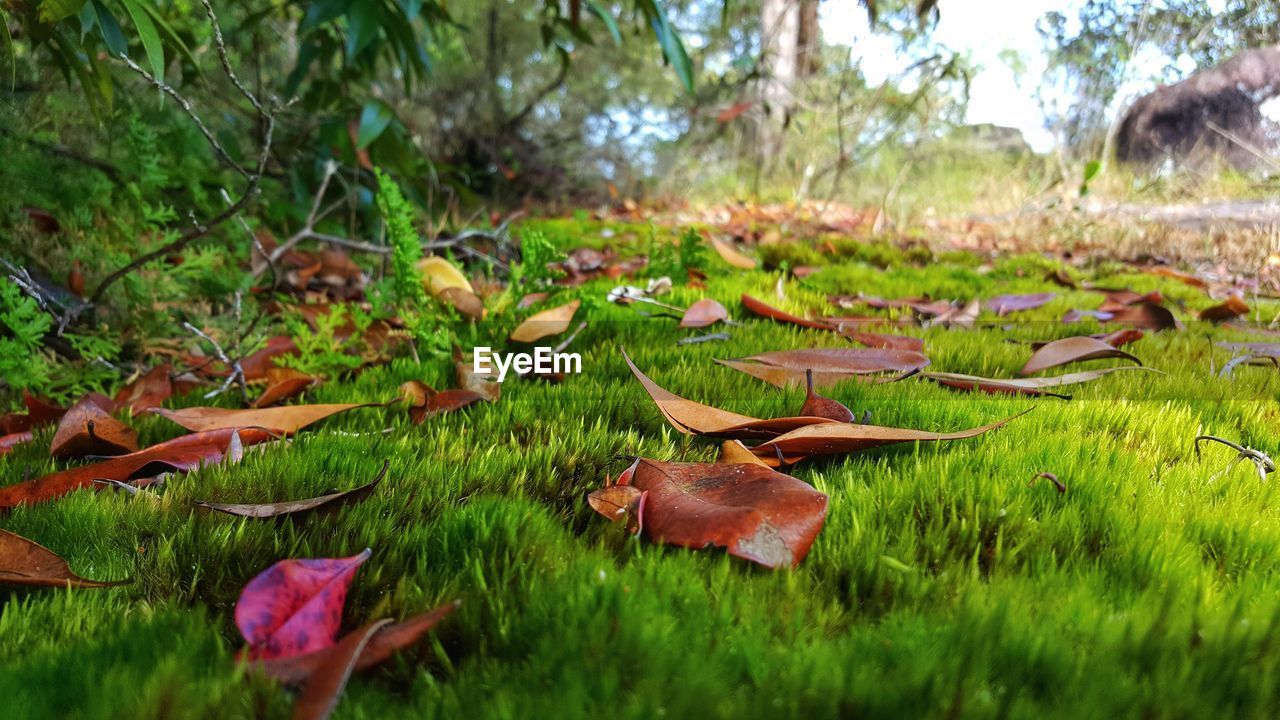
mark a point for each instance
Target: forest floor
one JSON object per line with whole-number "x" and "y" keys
{"x": 946, "y": 582}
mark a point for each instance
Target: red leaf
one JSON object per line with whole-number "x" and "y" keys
{"x": 763, "y": 309}
{"x": 283, "y": 384}
{"x": 180, "y": 454}
{"x": 296, "y": 669}
{"x": 1148, "y": 315}
{"x": 295, "y": 606}
{"x": 733, "y": 111}
{"x": 816, "y": 405}
{"x": 148, "y": 391}
{"x": 320, "y": 694}
{"x": 1230, "y": 309}
{"x": 8, "y": 442}
{"x": 755, "y": 513}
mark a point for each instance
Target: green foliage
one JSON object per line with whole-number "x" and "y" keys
{"x": 334, "y": 347}
{"x": 22, "y": 328}
{"x": 406, "y": 247}
{"x": 676, "y": 259}
{"x": 537, "y": 254}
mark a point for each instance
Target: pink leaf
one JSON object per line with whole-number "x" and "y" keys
{"x": 295, "y": 606}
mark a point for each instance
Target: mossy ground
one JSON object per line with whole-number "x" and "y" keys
{"x": 941, "y": 585}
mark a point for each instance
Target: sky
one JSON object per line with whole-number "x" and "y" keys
{"x": 981, "y": 28}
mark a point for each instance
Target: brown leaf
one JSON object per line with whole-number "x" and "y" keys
{"x": 286, "y": 420}
{"x": 295, "y": 669}
{"x": 881, "y": 340}
{"x": 546, "y": 323}
{"x": 1148, "y": 315}
{"x": 259, "y": 364}
{"x": 841, "y": 438}
{"x": 614, "y": 501}
{"x": 147, "y": 392}
{"x": 703, "y": 313}
{"x": 816, "y": 405}
{"x": 963, "y": 316}
{"x": 763, "y": 309}
{"x": 1231, "y": 309}
{"x": 755, "y": 513}
{"x": 1183, "y": 277}
{"x": 467, "y": 303}
{"x": 733, "y": 452}
{"x": 693, "y": 418}
{"x": 183, "y": 453}
{"x": 1122, "y": 337}
{"x": 87, "y": 429}
{"x": 283, "y": 384}
{"x": 295, "y": 507}
{"x": 10, "y": 441}
{"x": 443, "y": 402}
{"x": 1072, "y": 349}
{"x": 23, "y": 562}
{"x": 1024, "y": 386}
{"x": 844, "y": 360}
{"x": 785, "y": 377}
{"x": 325, "y": 685}
{"x": 730, "y": 255}
{"x": 486, "y": 385}
{"x": 1060, "y": 277}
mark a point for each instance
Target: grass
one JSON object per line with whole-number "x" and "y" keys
{"x": 941, "y": 585}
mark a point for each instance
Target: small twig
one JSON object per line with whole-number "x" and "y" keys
{"x": 709, "y": 337}
{"x": 1260, "y": 460}
{"x": 564, "y": 344}
{"x": 237, "y": 372}
{"x": 1060, "y": 486}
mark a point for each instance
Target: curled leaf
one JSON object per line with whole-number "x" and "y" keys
{"x": 25, "y": 562}
{"x": 733, "y": 452}
{"x": 763, "y": 309}
{"x": 784, "y": 377}
{"x": 841, "y": 438}
{"x": 296, "y": 507}
{"x": 730, "y": 255}
{"x": 286, "y": 420}
{"x": 845, "y": 360}
{"x": 325, "y": 685}
{"x": 1230, "y": 309}
{"x": 1072, "y": 349}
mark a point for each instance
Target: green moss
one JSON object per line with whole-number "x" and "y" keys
{"x": 941, "y": 585}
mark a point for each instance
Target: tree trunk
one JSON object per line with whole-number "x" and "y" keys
{"x": 789, "y": 45}
{"x": 1213, "y": 113}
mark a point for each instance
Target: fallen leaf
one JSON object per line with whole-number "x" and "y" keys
{"x": 546, "y": 323}
{"x": 963, "y": 316}
{"x": 531, "y": 299}
{"x": 785, "y": 377}
{"x": 486, "y": 385}
{"x": 1183, "y": 277}
{"x": 693, "y": 418}
{"x": 1231, "y": 309}
{"x": 615, "y": 501}
{"x": 841, "y": 438}
{"x": 24, "y": 562}
{"x": 881, "y": 340}
{"x": 295, "y": 507}
{"x": 87, "y": 429}
{"x": 703, "y": 313}
{"x": 283, "y": 384}
{"x": 294, "y": 670}
{"x": 12, "y": 440}
{"x": 755, "y": 513}
{"x": 1023, "y": 386}
{"x": 733, "y": 452}
{"x": 1147, "y": 315}
{"x": 180, "y": 454}
{"x": 443, "y": 402}
{"x": 320, "y": 694}
{"x": 295, "y": 606}
{"x": 816, "y": 405}
{"x": 1060, "y": 277}
{"x": 1004, "y": 304}
{"x": 438, "y": 275}
{"x": 147, "y": 392}
{"x": 730, "y": 255}
{"x": 1118, "y": 298}
{"x": 286, "y": 420}
{"x": 1122, "y": 337}
{"x": 467, "y": 303}
{"x": 1075, "y": 316}
{"x": 845, "y": 360}
{"x": 1072, "y": 349}
{"x": 259, "y": 364}
{"x": 763, "y": 309}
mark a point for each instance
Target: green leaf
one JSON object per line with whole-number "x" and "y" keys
{"x": 362, "y": 27}
{"x": 595, "y": 9}
{"x": 150, "y": 38}
{"x": 374, "y": 119}
{"x": 51, "y": 11}
{"x": 109, "y": 29}
{"x": 170, "y": 36}
{"x": 672, "y": 49}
